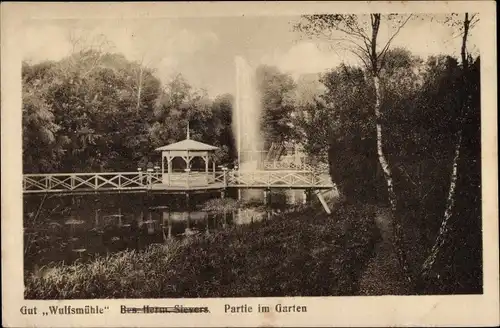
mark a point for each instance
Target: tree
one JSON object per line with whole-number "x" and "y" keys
{"x": 466, "y": 24}
{"x": 275, "y": 90}
{"x": 352, "y": 141}
{"x": 94, "y": 110}
{"x": 177, "y": 105}
{"x": 221, "y": 129}
{"x": 309, "y": 129}
{"x": 40, "y": 148}
{"x": 360, "y": 34}
{"x": 209, "y": 120}
{"x": 86, "y": 51}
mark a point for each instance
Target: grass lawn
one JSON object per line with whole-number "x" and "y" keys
{"x": 302, "y": 253}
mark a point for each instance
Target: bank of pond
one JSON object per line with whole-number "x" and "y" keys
{"x": 228, "y": 250}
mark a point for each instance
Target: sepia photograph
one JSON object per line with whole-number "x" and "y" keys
{"x": 320, "y": 154}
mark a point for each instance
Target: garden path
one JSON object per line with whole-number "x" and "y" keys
{"x": 383, "y": 275}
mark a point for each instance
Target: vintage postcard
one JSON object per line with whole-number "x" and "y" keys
{"x": 244, "y": 164}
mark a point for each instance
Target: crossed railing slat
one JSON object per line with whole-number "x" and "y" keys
{"x": 289, "y": 165}
{"x": 273, "y": 178}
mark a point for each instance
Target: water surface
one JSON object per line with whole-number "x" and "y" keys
{"x": 69, "y": 228}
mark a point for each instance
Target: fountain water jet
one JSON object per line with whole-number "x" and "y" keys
{"x": 246, "y": 125}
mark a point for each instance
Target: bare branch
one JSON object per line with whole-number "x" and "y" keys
{"x": 473, "y": 21}
{"x": 361, "y": 58}
{"x": 387, "y": 45}
{"x": 363, "y": 44}
{"x": 428, "y": 192}
{"x": 357, "y": 31}
{"x": 401, "y": 168}
{"x": 362, "y": 32}
{"x": 382, "y": 53}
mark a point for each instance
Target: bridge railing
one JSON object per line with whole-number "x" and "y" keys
{"x": 290, "y": 165}
{"x": 88, "y": 181}
{"x": 305, "y": 179}
{"x": 68, "y": 182}
{"x": 283, "y": 165}
{"x": 221, "y": 177}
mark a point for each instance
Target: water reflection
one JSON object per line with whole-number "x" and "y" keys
{"x": 76, "y": 229}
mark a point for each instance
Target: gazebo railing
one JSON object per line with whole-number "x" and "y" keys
{"x": 189, "y": 178}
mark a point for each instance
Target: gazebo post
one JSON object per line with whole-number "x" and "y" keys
{"x": 206, "y": 166}
{"x": 213, "y": 168}
{"x": 188, "y": 166}
{"x": 169, "y": 167}
{"x": 162, "y": 165}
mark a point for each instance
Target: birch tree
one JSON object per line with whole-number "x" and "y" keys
{"x": 464, "y": 27}
{"x": 142, "y": 70}
{"x": 360, "y": 36}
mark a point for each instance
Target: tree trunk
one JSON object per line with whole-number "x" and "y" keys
{"x": 463, "y": 50}
{"x": 139, "y": 89}
{"x": 397, "y": 225}
{"x": 450, "y": 201}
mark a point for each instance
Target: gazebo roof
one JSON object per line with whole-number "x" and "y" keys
{"x": 187, "y": 144}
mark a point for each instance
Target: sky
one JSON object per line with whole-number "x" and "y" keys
{"x": 203, "y": 49}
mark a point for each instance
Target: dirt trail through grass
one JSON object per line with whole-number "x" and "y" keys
{"x": 383, "y": 275}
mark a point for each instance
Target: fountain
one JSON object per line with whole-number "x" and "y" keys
{"x": 247, "y": 112}
{"x": 246, "y": 123}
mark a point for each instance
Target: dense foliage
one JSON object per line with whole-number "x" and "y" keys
{"x": 422, "y": 106}
{"x": 98, "y": 112}
{"x": 274, "y": 90}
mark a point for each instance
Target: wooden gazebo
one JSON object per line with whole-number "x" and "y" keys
{"x": 186, "y": 149}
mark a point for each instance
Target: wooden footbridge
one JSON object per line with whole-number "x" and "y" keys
{"x": 165, "y": 182}
{"x": 275, "y": 175}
